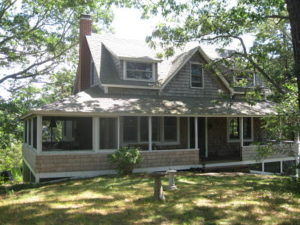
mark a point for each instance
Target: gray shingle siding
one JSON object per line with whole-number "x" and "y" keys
{"x": 180, "y": 85}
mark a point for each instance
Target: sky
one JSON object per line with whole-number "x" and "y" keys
{"x": 128, "y": 24}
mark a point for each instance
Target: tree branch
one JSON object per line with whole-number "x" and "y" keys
{"x": 20, "y": 74}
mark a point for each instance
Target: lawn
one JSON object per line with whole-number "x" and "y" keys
{"x": 212, "y": 198}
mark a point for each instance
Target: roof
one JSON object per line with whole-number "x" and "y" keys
{"x": 139, "y": 50}
{"x": 93, "y": 102}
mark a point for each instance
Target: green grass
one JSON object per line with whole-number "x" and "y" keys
{"x": 225, "y": 198}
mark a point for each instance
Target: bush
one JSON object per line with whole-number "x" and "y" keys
{"x": 126, "y": 159}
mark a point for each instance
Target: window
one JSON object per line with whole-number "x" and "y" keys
{"x": 247, "y": 128}
{"x": 108, "y": 133}
{"x": 139, "y": 71}
{"x": 144, "y": 129}
{"x": 170, "y": 129}
{"x": 196, "y": 75}
{"x": 93, "y": 73}
{"x": 136, "y": 129}
{"x": 234, "y": 129}
{"x": 130, "y": 133}
{"x": 66, "y": 133}
{"x": 156, "y": 126}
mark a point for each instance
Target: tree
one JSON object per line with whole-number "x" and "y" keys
{"x": 224, "y": 22}
{"x": 274, "y": 54}
{"x": 36, "y": 36}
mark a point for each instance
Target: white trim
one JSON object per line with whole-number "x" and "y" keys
{"x": 162, "y": 131}
{"x": 130, "y": 86}
{"x": 91, "y": 114}
{"x": 96, "y": 133}
{"x": 206, "y": 139}
{"x": 27, "y": 121}
{"x": 68, "y": 152}
{"x": 196, "y": 132}
{"x": 242, "y": 131}
{"x": 142, "y": 60}
{"x": 202, "y": 75}
{"x": 31, "y": 132}
{"x": 137, "y": 61}
{"x": 79, "y": 174}
{"x": 39, "y": 131}
{"x": 189, "y": 132}
{"x": 150, "y": 132}
{"x": 281, "y": 166}
{"x": 118, "y": 132}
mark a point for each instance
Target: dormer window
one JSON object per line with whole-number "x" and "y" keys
{"x": 141, "y": 71}
{"x": 197, "y": 75}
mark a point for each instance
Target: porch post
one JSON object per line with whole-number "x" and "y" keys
{"x": 297, "y": 146}
{"x": 118, "y": 132}
{"x": 150, "y": 133}
{"x": 196, "y": 133}
{"x": 96, "y": 133}
{"x": 206, "y": 139}
{"x": 39, "y": 130}
{"x": 241, "y": 131}
{"x": 188, "y": 132}
{"x": 27, "y": 121}
{"x": 31, "y": 131}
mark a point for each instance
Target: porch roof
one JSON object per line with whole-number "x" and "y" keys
{"x": 93, "y": 102}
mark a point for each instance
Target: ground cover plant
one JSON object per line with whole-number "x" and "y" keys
{"x": 212, "y": 198}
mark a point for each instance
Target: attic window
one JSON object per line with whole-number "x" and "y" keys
{"x": 196, "y": 75}
{"x": 138, "y": 71}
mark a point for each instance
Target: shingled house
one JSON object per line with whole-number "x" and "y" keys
{"x": 173, "y": 109}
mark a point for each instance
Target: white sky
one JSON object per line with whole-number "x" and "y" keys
{"x": 128, "y": 24}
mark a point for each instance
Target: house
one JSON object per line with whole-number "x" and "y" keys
{"x": 180, "y": 113}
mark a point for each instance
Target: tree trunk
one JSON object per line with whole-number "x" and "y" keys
{"x": 293, "y": 7}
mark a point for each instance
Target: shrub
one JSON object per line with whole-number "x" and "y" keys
{"x": 126, "y": 159}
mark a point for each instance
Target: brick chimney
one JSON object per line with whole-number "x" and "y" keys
{"x": 83, "y": 73}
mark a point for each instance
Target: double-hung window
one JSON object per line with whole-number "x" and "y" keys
{"x": 197, "y": 75}
{"x": 139, "y": 71}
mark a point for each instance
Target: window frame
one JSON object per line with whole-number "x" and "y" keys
{"x": 99, "y": 134}
{"x": 162, "y": 131}
{"x": 229, "y": 140}
{"x": 133, "y": 79}
{"x": 191, "y": 82}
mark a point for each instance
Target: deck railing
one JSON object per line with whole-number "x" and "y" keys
{"x": 262, "y": 152}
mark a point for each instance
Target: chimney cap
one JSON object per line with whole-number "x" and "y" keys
{"x": 85, "y": 17}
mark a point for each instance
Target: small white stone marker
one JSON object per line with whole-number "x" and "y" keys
{"x": 172, "y": 185}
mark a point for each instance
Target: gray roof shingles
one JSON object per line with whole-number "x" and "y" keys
{"x": 94, "y": 102}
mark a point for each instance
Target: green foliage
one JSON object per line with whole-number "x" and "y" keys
{"x": 225, "y": 23}
{"x": 126, "y": 159}
{"x": 37, "y": 36}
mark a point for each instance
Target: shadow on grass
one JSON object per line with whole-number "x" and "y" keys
{"x": 200, "y": 199}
